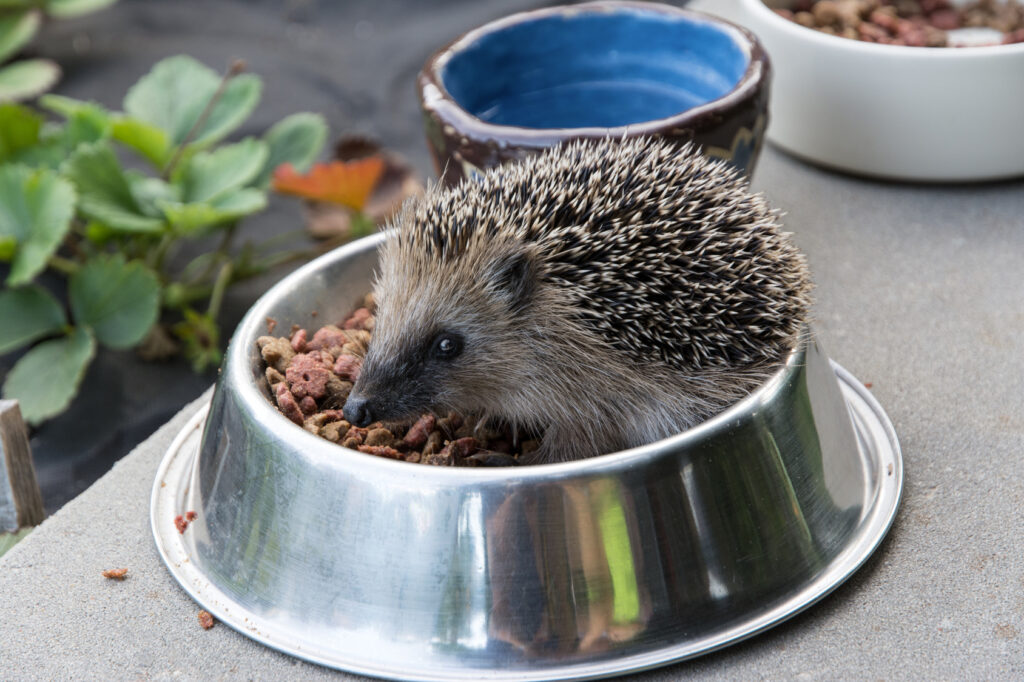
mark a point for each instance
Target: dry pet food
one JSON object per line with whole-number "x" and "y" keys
{"x": 914, "y": 23}
{"x": 310, "y": 377}
{"x": 115, "y": 573}
{"x": 206, "y": 620}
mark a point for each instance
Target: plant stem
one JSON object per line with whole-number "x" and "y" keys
{"x": 63, "y": 265}
{"x": 160, "y": 252}
{"x": 237, "y": 67}
{"x": 219, "y": 287}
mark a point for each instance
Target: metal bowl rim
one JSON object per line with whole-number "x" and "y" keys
{"x": 873, "y": 529}
{"x": 237, "y": 370}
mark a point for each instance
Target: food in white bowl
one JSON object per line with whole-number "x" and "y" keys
{"x": 890, "y": 111}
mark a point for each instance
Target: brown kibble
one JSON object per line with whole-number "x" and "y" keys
{"x": 946, "y": 19}
{"x": 180, "y": 523}
{"x": 328, "y": 337}
{"x": 381, "y": 436}
{"x": 311, "y": 379}
{"x": 441, "y": 459}
{"x": 307, "y": 405}
{"x": 359, "y": 336}
{"x": 805, "y": 19}
{"x": 417, "y": 434}
{"x": 287, "y": 404}
{"x": 337, "y": 391}
{"x": 467, "y": 427}
{"x": 277, "y": 353}
{"x": 206, "y": 620}
{"x": 435, "y": 441}
{"x": 868, "y": 384}
{"x": 825, "y": 12}
{"x": 335, "y": 431}
{"x": 885, "y": 18}
{"x": 380, "y": 451}
{"x": 307, "y": 376}
{"x": 314, "y": 422}
{"x": 115, "y": 573}
{"x": 914, "y": 23}
{"x": 872, "y": 32}
{"x": 347, "y": 367}
{"x": 929, "y": 6}
{"x": 190, "y": 516}
{"x": 354, "y": 437}
{"x": 274, "y": 377}
{"x": 298, "y": 341}
{"x": 463, "y": 447}
{"x": 362, "y": 318}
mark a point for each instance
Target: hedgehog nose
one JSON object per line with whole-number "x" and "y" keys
{"x": 357, "y": 410}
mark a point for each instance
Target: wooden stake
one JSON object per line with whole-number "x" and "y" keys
{"x": 21, "y": 502}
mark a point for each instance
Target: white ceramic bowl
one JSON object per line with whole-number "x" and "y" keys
{"x": 909, "y": 113}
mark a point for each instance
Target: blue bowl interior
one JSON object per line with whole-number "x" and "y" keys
{"x": 603, "y": 69}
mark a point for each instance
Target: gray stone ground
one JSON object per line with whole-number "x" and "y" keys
{"x": 921, "y": 292}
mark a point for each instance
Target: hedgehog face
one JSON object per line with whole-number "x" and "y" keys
{"x": 443, "y": 341}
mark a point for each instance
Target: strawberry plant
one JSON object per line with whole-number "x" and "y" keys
{"x": 74, "y": 202}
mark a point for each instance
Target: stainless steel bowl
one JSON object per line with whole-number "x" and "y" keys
{"x": 572, "y": 570}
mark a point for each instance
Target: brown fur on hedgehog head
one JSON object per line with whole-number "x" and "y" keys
{"x": 453, "y": 330}
{"x": 588, "y": 282}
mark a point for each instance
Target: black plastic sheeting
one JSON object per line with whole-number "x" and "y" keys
{"x": 353, "y": 62}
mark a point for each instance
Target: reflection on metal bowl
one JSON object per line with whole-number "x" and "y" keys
{"x": 572, "y": 570}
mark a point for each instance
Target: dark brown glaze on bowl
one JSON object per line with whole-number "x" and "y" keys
{"x": 730, "y": 127}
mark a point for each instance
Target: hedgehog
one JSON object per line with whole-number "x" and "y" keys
{"x": 604, "y": 294}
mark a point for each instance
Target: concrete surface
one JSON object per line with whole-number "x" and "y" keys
{"x": 920, "y": 291}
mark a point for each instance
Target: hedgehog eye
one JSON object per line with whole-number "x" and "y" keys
{"x": 446, "y": 346}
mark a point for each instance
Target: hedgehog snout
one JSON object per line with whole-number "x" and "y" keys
{"x": 358, "y": 410}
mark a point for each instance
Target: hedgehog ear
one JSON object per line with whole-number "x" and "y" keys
{"x": 512, "y": 278}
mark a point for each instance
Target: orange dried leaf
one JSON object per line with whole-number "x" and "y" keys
{"x": 348, "y": 183}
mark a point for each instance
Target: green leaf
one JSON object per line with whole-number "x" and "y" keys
{"x": 146, "y": 139}
{"x": 67, "y": 106}
{"x": 8, "y": 247}
{"x": 192, "y": 218}
{"x": 295, "y": 139}
{"x": 27, "y": 78}
{"x": 174, "y": 94}
{"x": 104, "y": 192}
{"x": 47, "y": 377}
{"x": 65, "y": 9}
{"x": 210, "y": 175}
{"x": 16, "y": 29}
{"x": 19, "y": 130}
{"x": 29, "y": 313}
{"x": 117, "y": 299}
{"x": 36, "y": 207}
{"x": 149, "y": 192}
{"x": 86, "y": 124}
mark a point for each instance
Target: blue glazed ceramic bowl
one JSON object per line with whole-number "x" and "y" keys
{"x": 600, "y": 69}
